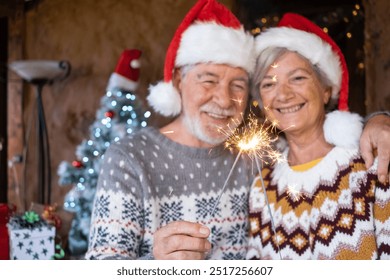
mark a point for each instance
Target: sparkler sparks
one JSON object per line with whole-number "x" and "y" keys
{"x": 257, "y": 141}
{"x": 168, "y": 132}
{"x": 239, "y": 101}
{"x": 254, "y": 139}
{"x": 294, "y": 194}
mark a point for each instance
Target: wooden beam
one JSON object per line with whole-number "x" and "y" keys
{"x": 377, "y": 63}
{"x": 15, "y": 103}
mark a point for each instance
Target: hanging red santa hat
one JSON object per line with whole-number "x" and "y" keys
{"x": 208, "y": 33}
{"x": 297, "y": 33}
{"x": 126, "y": 75}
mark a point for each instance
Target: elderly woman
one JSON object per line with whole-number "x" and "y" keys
{"x": 321, "y": 202}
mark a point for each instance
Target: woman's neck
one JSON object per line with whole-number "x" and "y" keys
{"x": 306, "y": 147}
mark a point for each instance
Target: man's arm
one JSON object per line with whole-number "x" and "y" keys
{"x": 116, "y": 219}
{"x": 375, "y": 139}
{"x": 181, "y": 240}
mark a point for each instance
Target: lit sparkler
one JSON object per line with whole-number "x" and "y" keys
{"x": 252, "y": 138}
{"x": 256, "y": 140}
{"x": 268, "y": 205}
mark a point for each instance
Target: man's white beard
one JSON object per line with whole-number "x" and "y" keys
{"x": 194, "y": 125}
{"x": 195, "y": 128}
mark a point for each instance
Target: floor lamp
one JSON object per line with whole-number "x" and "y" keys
{"x": 40, "y": 73}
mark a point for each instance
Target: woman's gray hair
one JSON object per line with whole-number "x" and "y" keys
{"x": 267, "y": 57}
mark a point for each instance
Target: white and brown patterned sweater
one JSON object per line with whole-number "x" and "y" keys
{"x": 335, "y": 210}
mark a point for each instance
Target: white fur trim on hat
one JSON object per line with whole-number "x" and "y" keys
{"x": 211, "y": 42}
{"x": 164, "y": 99}
{"x": 343, "y": 129}
{"x": 118, "y": 81}
{"x": 311, "y": 46}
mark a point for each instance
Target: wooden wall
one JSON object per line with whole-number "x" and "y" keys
{"x": 377, "y": 49}
{"x": 91, "y": 35}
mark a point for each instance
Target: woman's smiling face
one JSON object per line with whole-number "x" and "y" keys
{"x": 292, "y": 94}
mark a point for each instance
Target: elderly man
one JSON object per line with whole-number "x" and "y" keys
{"x": 158, "y": 176}
{"x": 158, "y": 191}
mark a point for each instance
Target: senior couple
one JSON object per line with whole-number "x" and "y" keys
{"x": 158, "y": 194}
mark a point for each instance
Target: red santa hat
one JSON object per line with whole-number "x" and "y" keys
{"x": 299, "y": 34}
{"x": 208, "y": 33}
{"x": 126, "y": 73}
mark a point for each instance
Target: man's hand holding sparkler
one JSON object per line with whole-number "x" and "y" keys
{"x": 181, "y": 240}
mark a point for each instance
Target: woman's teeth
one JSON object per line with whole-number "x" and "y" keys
{"x": 290, "y": 109}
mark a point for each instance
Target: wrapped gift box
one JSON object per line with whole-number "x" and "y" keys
{"x": 58, "y": 217}
{"x": 55, "y": 216}
{"x": 31, "y": 241}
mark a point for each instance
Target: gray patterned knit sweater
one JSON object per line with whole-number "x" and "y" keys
{"x": 147, "y": 181}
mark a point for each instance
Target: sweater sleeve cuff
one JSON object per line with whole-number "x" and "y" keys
{"x": 367, "y": 118}
{"x": 147, "y": 257}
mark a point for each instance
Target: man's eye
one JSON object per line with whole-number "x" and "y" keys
{"x": 209, "y": 82}
{"x": 239, "y": 87}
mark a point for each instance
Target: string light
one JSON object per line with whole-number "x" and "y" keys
{"x": 256, "y": 31}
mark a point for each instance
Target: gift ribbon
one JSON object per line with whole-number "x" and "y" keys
{"x": 49, "y": 214}
{"x": 30, "y": 217}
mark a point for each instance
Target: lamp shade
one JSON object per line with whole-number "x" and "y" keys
{"x": 48, "y": 70}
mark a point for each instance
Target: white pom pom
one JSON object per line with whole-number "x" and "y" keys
{"x": 165, "y": 99}
{"x": 135, "y": 64}
{"x": 343, "y": 129}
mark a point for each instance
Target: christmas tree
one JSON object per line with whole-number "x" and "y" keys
{"x": 121, "y": 113}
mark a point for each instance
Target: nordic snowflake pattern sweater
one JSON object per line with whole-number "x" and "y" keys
{"x": 147, "y": 181}
{"x": 335, "y": 210}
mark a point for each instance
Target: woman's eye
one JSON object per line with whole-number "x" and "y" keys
{"x": 266, "y": 85}
{"x": 299, "y": 78}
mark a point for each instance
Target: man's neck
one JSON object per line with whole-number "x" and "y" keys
{"x": 178, "y": 132}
